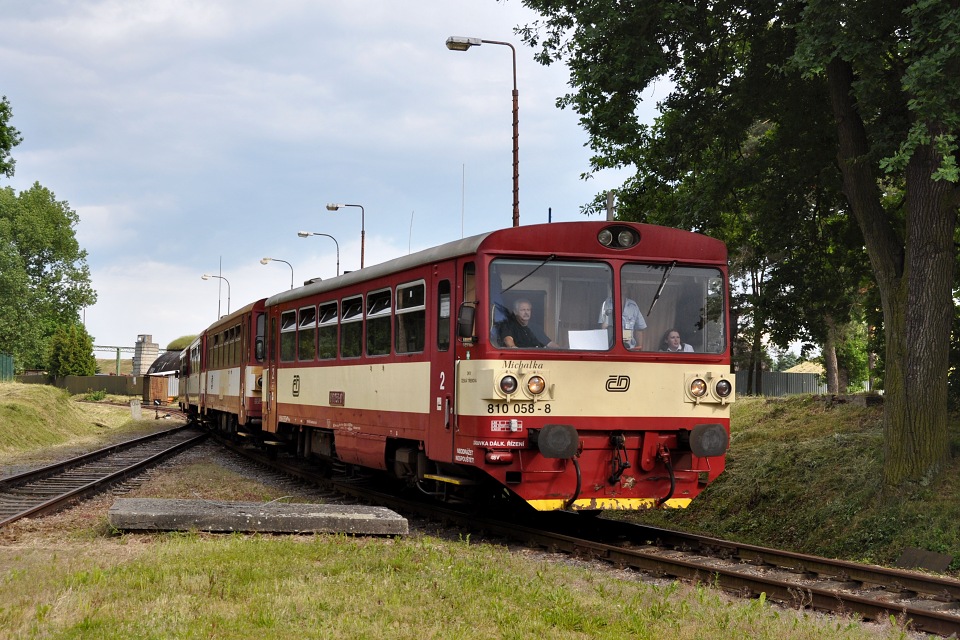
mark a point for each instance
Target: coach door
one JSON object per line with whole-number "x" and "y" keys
{"x": 270, "y": 375}
{"x": 441, "y": 426}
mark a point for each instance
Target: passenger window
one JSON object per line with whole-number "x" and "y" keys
{"x": 288, "y": 336}
{"x": 307, "y": 334}
{"x": 327, "y": 331}
{"x": 351, "y": 328}
{"x": 378, "y": 322}
{"x": 411, "y": 318}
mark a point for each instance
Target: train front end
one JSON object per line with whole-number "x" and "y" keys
{"x": 621, "y": 400}
{"x": 592, "y": 435}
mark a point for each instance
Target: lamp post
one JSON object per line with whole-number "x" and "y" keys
{"x": 207, "y": 276}
{"x": 307, "y": 234}
{"x": 459, "y": 43}
{"x": 334, "y": 207}
{"x": 268, "y": 260}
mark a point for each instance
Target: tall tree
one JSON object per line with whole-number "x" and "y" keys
{"x": 881, "y": 76}
{"x": 44, "y": 272}
{"x": 15, "y": 328}
{"x": 9, "y": 138}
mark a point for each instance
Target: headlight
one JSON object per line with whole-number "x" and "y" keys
{"x": 724, "y": 388}
{"x": 508, "y": 385}
{"x": 618, "y": 236}
{"x": 698, "y": 388}
{"x": 536, "y": 385}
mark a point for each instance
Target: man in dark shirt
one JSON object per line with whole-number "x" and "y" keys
{"x": 518, "y": 332}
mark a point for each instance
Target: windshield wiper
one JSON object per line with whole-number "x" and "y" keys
{"x": 550, "y": 257}
{"x": 663, "y": 281}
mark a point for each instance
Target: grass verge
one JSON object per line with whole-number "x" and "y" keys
{"x": 44, "y": 422}
{"x": 805, "y": 474}
{"x": 200, "y": 586}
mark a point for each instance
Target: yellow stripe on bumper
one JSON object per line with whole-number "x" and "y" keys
{"x": 611, "y": 504}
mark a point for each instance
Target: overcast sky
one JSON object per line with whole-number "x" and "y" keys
{"x": 186, "y": 134}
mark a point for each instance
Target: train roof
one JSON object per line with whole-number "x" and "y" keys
{"x": 168, "y": 361}
{"x": 427, "y": 256}
{"x": 231, "y": 318}
{"x": 668, "y": 244}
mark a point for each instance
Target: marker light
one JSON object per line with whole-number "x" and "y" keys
{"x": 724, "y": 388}
{"x": 536, "y": 385}
{"x": 698, "y": 388}
{"x": 508, "y": 385}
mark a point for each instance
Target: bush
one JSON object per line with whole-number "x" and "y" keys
{"x": 71, "y": 352}
{"x": 181, "y": 343}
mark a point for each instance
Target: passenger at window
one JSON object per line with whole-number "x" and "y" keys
{"x": 517, "y": 331}
{"x": 631, "y": 319}
{"x": 671, "y": 342}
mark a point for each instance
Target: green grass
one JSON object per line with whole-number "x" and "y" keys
{"x": 801, "y": 475}
{"x": 95, "y": 396}
{"x": 805, "y": 475}
{"x": 193, "y": 586}
{"x": 35, "y": 416}
{"x": 37, "y": 419}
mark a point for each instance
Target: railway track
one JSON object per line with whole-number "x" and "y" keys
{"x": 923, "y": 602}
{"x": 51, "y": 488}
{"x": 167, "y": 410}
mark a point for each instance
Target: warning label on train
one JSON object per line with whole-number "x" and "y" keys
{"x": 505, "y": 425}
{"x": 500, "y": 444}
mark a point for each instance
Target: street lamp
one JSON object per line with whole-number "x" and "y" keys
{"x": 268, "y": 260}
{"x": 307, "y": 234}
{"x": 334, "y": 207}
{"x": 207, "y": 276}
{"x": 459, "y": 43}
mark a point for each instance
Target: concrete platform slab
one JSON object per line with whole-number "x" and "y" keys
{"x": 153, "y": 514}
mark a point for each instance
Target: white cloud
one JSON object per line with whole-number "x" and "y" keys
{"x": 188, "y": 133}
{"x": 105, "y": 226}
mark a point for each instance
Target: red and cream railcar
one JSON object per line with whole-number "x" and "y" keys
{"x": 221, "y": 371}
{"x": 191, "y": 378}
{"x": 403, "y": 366}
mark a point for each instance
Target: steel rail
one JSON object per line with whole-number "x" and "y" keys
{"x": 841, "y": 570}
{"x": 846, "y": 596}
{"x": 51, "y": 488}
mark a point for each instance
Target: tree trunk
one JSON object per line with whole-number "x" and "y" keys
{"x": 755, "y": 375}
{"x": 757, "y": 337}
{"x": 914, "y": 279}
{"x": 830, "y": 356}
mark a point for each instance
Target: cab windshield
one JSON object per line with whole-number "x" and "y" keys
{"x": 553, "y": 304}
{"x": 670, "y": 308}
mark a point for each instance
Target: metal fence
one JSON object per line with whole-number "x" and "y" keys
{"x": 119, "y": 385}
{"x": 775, "y": 383}
{"x": 6, "y": 367}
